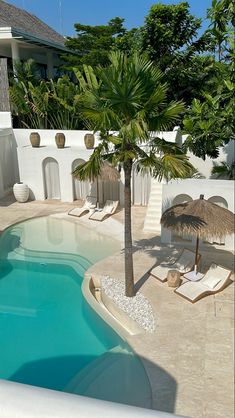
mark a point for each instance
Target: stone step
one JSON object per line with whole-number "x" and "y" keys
{"x": 152, "y": 229}
{"x": 154, "y": 210}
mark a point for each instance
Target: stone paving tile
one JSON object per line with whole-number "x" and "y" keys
{"x": 189, "y": 357}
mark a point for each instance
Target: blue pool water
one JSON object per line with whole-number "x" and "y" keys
{"x": 49, "y": 335}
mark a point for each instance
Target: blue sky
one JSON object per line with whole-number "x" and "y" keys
{"x": 98, "y": 12}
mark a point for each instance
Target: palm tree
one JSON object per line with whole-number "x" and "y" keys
{"x": 131, "y": 101}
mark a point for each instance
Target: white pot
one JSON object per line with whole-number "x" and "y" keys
{"x": 21, "y": 192}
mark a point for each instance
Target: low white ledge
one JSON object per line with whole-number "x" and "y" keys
{"x": 23, "y": 401}
{"x": 117, "y": 319}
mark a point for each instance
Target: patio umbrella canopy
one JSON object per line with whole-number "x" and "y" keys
{"x": 107, "y": 173}
{"x": 200, "y": 218}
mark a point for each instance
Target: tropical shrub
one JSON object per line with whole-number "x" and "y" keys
{"x": 44, "y": 104}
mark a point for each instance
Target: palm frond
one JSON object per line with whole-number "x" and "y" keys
{"x": 174, "y": 167}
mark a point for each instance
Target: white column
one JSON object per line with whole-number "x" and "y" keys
{"x": 15, "y": 54}
{"x": 121, "y": 188}
{"x": 50, "y": 69}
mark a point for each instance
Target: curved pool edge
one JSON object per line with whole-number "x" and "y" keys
{"x": 88, "y": 289}
{"x": 117, "y": 326}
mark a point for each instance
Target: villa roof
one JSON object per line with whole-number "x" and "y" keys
{"x": 22, "y": 21}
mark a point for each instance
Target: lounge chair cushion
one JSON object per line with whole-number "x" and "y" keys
{"x": 211, "y": 282}
{"x": 216, "y": 276}
{"x": 89, "y": 202}
{"x": 184, "y": 264}
{"x": 109, "y": 208}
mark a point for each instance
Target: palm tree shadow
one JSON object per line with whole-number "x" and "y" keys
{"x": 161, "y": 252}
{"x": 123, "y": 378}
{"x": 141, "y": 282}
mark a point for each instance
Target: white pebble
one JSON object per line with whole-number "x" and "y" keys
{"x": 137, "y": 307}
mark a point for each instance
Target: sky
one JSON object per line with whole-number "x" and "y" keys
{"x": 62, "y": 14}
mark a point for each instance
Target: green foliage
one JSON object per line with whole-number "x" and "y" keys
{"x": 93, "y": 43}
{"x": 41, "y": 104}
{"x": 26, "y": 71}
{"x": 129, "y": 42}
{"x": 210, "y": 120}
{"x": 86, "y": 77}
{"x": 30, "y": 103}
{"x": 222, "y": 16}
{"x": 169, "y": 37}
{"x": 167, "y": 29}
{"x": 224, "y": 170}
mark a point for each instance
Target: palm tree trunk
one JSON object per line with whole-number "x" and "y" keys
{"x": 129, "y": 275}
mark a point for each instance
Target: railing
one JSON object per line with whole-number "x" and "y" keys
{"x": 23, "y": 401}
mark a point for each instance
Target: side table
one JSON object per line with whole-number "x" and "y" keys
{"x": 193, "y": 276}
{"x": 173, "y": 278}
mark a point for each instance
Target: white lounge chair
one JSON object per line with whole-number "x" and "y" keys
{"x": 89, "y": 203}
{"x": 183, "y": 264}
{"x": 109, "y": 209}
{"x": 215, "y": 280}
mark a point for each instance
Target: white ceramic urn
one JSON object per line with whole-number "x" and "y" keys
{"x": 21, "y": 192}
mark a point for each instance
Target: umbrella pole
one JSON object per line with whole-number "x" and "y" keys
{"x": 197, "y": 244}
{"x": 97, "y": 192}
{"x": 196, "y": 255}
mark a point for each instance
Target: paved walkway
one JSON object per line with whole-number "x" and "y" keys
{"x": 189, "y": 358}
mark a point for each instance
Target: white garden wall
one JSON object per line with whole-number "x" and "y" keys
{"x": 8, "y": 161}
{"x": 218, "y": 191}
{"x": 36, "y": 165}
{"x": 47, "y": 170}
{"x": 33, "y": 161}
{"x": 5, "y": 120}
{"x": 226, "y": 154}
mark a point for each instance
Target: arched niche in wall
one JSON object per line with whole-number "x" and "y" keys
{"x": 179, "y": 199}
{"x": 80, "y": 188}
{"x": 51, "y": 178}
{"x": 7, "y": 175}
{"x": 141, "y": 186}
{"x": 220, "y": 201}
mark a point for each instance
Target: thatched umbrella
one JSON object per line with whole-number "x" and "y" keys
{"x": 107, "y": 173}
{"x": 89, "y": 171}
{"x": 200, "y": 218}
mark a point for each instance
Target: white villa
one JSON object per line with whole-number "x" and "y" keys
{"x": 182, "y": 358}
{"x": 24, "y": 36}
{"x": 47, "y": 172}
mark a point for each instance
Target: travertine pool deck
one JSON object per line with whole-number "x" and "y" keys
{"x": 189, "y": 357}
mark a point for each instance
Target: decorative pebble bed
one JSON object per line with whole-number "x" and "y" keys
{"x": 137, "y": 307}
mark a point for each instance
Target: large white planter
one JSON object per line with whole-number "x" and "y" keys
{"x": 21, "y": 192}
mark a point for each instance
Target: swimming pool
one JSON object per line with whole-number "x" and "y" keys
{"x": 49, "y": 335}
